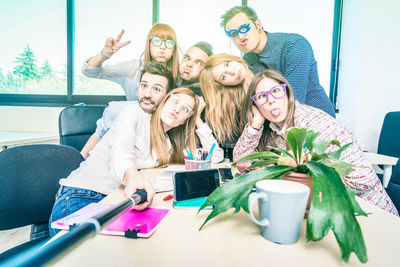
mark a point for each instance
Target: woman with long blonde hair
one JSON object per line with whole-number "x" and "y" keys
{"x": 224, "y": 83}
{"x": 161, "y": 46}
{"x": 136, "y": 140}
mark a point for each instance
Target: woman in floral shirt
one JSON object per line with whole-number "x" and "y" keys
{"x": 270, "y": 110}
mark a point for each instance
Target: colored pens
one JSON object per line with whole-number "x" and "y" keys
{"x": 189, "y": 153}
{"x": 211, "y": 151}
{"x": 185, "y": 153}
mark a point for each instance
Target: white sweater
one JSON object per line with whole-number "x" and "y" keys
{"x": 125, "y": 145}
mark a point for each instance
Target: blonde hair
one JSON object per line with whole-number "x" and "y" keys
{"x": 248, "y": 103}
{"x": 163, "y": 31}
{"x": 223, "y": 102}
{"x": 181, "y": 136}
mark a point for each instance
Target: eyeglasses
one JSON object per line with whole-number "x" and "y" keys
{"x": 235, "y": 32}
{"x": 157, "y": 41}
{"x": 176, "y": 101}
{"x": 276, "y": 92}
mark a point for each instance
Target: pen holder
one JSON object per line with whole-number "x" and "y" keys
{"x": 192, "y": 164}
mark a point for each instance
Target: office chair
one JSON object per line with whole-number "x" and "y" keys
{"x": 29, "y": 181}
{"x": 393, "y": 188}
{"x": 77, "y": 123}
{"x": 389, "y": 142}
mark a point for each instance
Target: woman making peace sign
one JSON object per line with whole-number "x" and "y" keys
{"x": 160, "y": 47}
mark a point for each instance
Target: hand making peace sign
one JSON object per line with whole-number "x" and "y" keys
{"x": 113, "y": 45}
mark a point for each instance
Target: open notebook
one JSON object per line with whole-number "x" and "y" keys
{"x": 145, "y": 222}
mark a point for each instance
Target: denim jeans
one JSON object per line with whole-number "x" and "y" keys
{"x": 69, "y": 200}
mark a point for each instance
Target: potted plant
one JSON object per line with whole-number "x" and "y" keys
{"x": 332, "y": 205}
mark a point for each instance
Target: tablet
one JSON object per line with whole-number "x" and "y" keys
{"x": 195, "y": 184}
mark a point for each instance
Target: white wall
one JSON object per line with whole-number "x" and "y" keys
{"x": 369, "y": 67}
{"x": 36, "y": 119}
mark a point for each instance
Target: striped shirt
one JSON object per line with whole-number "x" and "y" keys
{"x": 292, "y": 55}
{"x": 363, "y": 179}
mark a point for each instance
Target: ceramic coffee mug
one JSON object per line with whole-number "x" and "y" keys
{"x": 281, "y": 205}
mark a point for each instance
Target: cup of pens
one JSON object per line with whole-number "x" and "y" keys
{"x": 195, "y": 164}
{"x": 198, "y": 161}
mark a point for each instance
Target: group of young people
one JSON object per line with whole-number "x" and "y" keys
{"x": 248, "y": 104}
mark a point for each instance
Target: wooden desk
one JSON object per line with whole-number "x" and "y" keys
{"x": 9, "y": 139}
{"x": 233, "y": 242}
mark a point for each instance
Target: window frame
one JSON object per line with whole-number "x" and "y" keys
{"x": 71, "y": 99}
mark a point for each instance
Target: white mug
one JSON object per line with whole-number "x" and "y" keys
{"x": 281, "y": 205}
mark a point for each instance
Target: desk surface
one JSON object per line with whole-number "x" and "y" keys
{"x": 233, "y": 242}
{"x": 22, "y": 138}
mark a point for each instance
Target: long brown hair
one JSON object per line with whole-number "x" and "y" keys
{"x": 248, "y": 103}
{"x": 181, "y": 136}
{"x": 223, "y": 102}
{"x": 163, "y": 31}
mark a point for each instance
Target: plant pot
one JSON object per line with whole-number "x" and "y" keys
{"x": 303, "y": 179}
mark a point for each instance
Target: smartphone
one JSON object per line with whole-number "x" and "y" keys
{"x": 195, "y": 184}
{"x": 225, "y": 174}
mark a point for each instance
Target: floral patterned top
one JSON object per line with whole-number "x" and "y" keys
{"x": 363, "y": 179}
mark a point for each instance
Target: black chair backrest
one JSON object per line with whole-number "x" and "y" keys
{"x": 29, "y": 178}
{"x": 77, "y": 123}
{"x": 389, "y": 141}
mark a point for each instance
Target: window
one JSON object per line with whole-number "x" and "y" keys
{"x": 33, "y": 51}
{"x": 106, "y": 19}
{"x": 47, "y": 41}
{"x": 195, "y": 21}
{"x": 312, "y": 19}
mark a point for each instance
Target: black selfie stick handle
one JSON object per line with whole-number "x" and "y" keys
{"x": 143, "y": 195}
{"x": 39, "y": 256}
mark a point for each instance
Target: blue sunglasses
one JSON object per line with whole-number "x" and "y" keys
{"x": 235, "y": 32}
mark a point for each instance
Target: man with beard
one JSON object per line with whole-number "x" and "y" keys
{"x": 156, "y": 81}
{"x": 192, "y": 65}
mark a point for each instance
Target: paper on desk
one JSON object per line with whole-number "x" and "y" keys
{"x": 176, "y": 168}
{"x": 164, "y": 181}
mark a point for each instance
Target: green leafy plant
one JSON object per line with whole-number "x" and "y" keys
{"x": 333, "y": 207}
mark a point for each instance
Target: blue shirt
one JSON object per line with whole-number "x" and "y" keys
{"x": 292, "y": 55}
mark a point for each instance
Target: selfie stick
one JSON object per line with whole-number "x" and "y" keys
{"x": 38, "y": 256}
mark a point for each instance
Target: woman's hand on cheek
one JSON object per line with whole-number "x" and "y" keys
{"x": 134, "y": 181}
{"x": 257, "y": 121}
{"x": 202, "y": 105}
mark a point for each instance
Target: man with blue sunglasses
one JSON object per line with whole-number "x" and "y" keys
{"x": 289, "y": 53}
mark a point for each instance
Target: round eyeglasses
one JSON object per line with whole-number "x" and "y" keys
{"x": 242, "y": 29}
{"x": 176, "y": 101}
{"x": 157, "y": 41}
{"x": 276, "y": 92}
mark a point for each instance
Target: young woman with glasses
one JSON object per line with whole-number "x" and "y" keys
{"x": 136, "y": 140}
{"x": 270, "y": 109}
{"x": 160, "y": 47}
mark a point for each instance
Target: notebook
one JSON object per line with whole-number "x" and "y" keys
{"x": 146, "y": 221}
{"x": 164, "y": 181}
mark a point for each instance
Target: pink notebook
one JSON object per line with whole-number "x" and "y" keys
{"x": 146, "y": 221}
